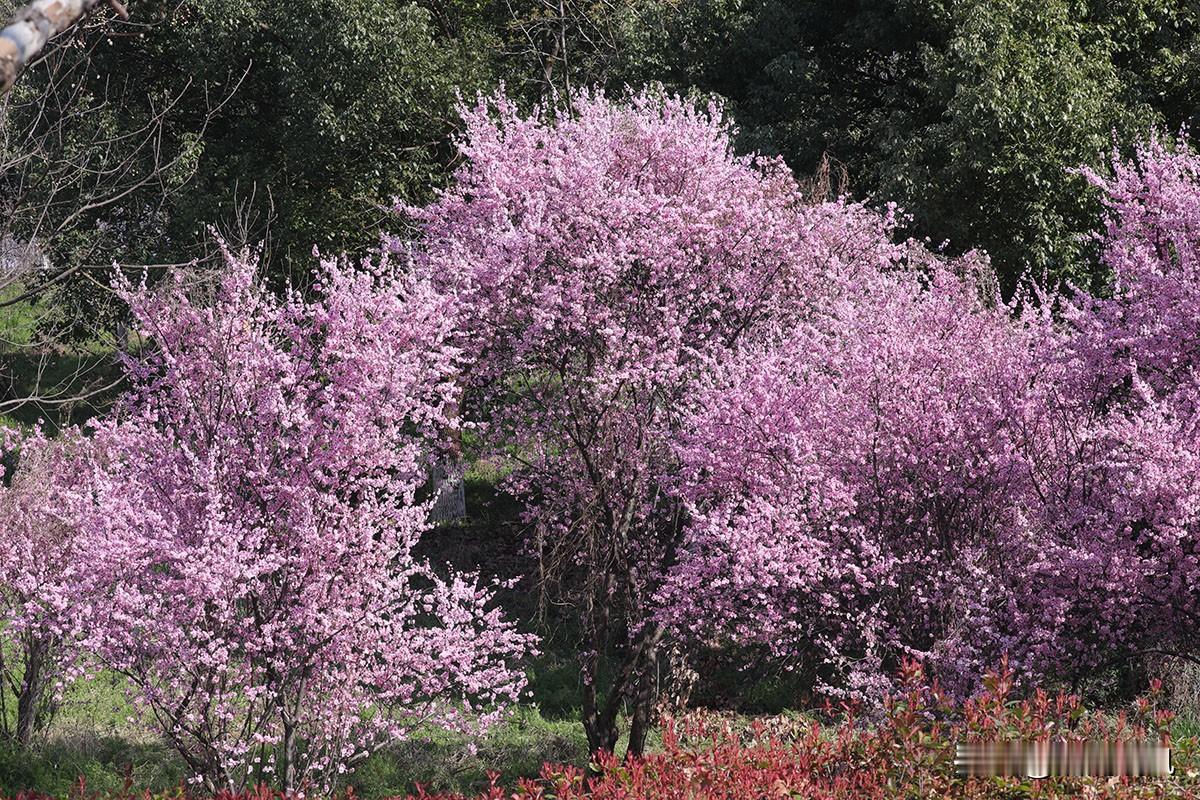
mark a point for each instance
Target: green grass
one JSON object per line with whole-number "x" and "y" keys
{"x": 74, "y": 373}
{"x": 1186, "y": 726}
{"x": 95, "y": 737}
{"x": 444, "y": 762}
{"x": 439, "y": 760}
{"x": 103, "y": 763}
{"x": 92, "y": 737}
{"x": 18, "y": 322}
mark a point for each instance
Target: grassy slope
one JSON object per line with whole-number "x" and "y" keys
{"x": 95, "y": 737}
{"x": 516, "y": 748}
{"x": 73, "y": 375}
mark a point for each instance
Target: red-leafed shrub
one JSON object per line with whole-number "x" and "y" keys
{"x": 908, "y": 752}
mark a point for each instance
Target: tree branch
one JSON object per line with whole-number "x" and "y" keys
{"x": 37, "y": 23}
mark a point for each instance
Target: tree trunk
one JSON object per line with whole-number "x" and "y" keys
{"x": 35, "y": 24}
{"x": 635, "y": 686}
{"x": 644, "y": 694}
{"x": 29, "y": 698}
{"x": 602, "y": 733}
{"x": 600, "y": 724}
{"x": 288, "y": 754}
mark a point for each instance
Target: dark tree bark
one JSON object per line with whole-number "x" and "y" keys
{"x": 28, "y": 677}
{"x": 31, "y": 698}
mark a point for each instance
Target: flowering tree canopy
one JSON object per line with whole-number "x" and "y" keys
{"x": 859, "y": 493}
{"x": 601, "y": 263}
{"x": 40, "y": 614}
{"x": 1136, "y": 353}
{"x": 930, "y": 472}
{"x": 249, "y": 521}
{"x": 1151, "y": 246}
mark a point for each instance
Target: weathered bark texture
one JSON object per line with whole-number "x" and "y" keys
{"x": 35, "y": 24}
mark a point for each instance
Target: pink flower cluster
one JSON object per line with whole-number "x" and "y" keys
{"x": 39, "y": 575}
{"x": 242, "y": 529}
{"x": 754, "y": 419}
{"x": 929, "y": 472}
{"x": 735, "y": 417}
{"x": 862, "y": 490}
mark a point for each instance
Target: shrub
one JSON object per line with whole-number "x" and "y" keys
{"x": 910, "y": 752}
{"x": 925, "y": 470}
{"x": 40, "y": 621}
{"x": 247, "y": 525}
{"x": 863, "y": 490}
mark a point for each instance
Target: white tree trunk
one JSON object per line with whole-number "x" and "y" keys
{"x": 35, "y": 24}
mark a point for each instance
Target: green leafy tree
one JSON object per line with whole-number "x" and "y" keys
{"x": 341, "y": 106}
{"x": 970, "y": 113}
{"x": 290, "y": 122}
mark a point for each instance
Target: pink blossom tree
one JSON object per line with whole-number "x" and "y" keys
{"x": 40, "y": 620}
{"x": 870, "y": 489}
{"x": 1150, "y": 244}
{"x": 927, "y": 472}
{"x": 248, "y": 525}
{"x": 1136, "y": 352}
{"x": 601, "y": 263}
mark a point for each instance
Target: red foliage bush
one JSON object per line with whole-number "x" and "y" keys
{"x": 907, "y": 753}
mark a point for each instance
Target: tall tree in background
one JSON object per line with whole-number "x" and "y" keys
{"x": 344, "y": 106}
{"x": 551, "y": 47}
{"x": 91, "y": 161}
{"x": 293, "y": 123}
{"x": 970, "y": 114}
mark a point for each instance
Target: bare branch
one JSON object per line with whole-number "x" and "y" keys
{"x": 37, "y": 23}
{"x": 89, "y": 168}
